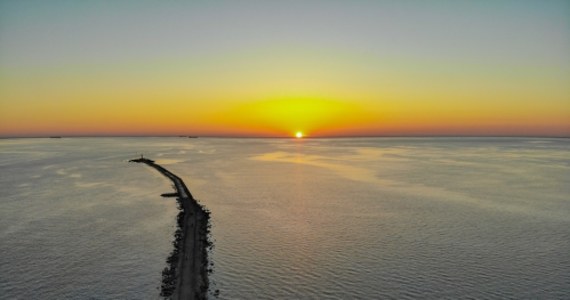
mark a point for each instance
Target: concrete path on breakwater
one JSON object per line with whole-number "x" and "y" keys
{"x": 190, "y": 268}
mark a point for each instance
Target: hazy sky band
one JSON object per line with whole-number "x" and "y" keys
{"x": 214, "y": 67}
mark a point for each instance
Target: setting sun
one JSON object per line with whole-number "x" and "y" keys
{"x": 299, "y": 134}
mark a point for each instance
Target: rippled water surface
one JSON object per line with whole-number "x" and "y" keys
{"x": 401, "y": 218}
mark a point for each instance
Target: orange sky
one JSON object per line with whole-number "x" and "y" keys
{"x": 343, "y": 69}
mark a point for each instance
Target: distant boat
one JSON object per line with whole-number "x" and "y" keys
{"x": 192, "y": 137}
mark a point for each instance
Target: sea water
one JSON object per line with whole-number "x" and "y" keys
{"x": 362, "y": 218}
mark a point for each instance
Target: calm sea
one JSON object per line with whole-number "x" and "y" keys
{"x": 379, "y": 218}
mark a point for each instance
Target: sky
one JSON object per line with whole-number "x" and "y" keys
{"x": 272, "y": 68}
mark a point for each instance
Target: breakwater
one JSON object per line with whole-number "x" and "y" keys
{"x": 186, "y": 276}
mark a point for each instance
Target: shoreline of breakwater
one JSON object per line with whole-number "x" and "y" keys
{"x": 186, "y": 276}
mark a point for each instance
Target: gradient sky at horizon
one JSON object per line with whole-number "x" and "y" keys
{"x": 271, "y": 68}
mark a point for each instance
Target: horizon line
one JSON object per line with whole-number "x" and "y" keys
{"x": 278, "y": 137}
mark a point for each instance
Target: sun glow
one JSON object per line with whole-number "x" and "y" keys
{"x": 299, "y": 135}
{"x": 283, "y": 116}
